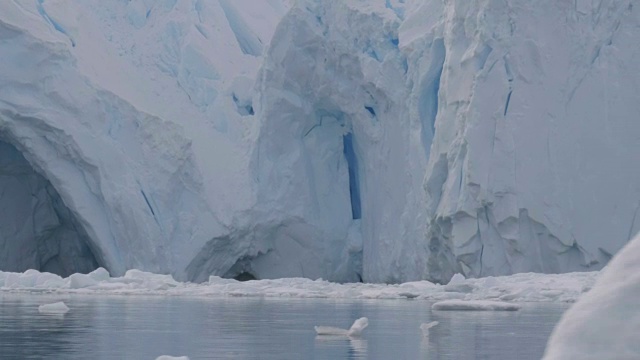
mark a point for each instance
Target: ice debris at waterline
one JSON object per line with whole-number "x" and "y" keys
{"x": 55, "y": 308}
{"x": 528, "y": 287}
{"x": 168, "y": 357}
{"x": 426, "y": 326}
{"x": 474, "y": 305}
{"x": 355, "y": 330}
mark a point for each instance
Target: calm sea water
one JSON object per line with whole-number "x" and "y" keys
{"x": 114, "y": 327}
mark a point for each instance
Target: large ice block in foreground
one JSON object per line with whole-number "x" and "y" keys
{"x": 605, "y": 322}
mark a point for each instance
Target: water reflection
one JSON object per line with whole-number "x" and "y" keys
{"x": 145, "y": 327}
{"x": 356, "y": 348}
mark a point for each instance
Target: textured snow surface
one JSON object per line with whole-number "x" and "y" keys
{"x": 528, "y": 287}
{"x": 605, "y": 322}
{"x": 474, "y": 305}
{"x": 55, "y": 308}
{"x": 382, "y": 140}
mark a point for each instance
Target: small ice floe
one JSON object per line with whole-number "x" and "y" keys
{"x": 474, "y": 305}
{"x": 355, "y": 330}
{"x": 408, "y": 295}
{"x": 169, "y": 357}
{"x": 425, "y": 327}
{"x": 55, "y": 308}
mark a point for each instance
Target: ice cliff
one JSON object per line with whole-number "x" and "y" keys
{"x": 135, "y": 119}
{"x": 381, "y": 141}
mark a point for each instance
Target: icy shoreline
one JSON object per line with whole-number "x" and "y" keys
{"x": 528, "y": 287}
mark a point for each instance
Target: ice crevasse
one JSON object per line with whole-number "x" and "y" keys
{"x": 384, "y": 141}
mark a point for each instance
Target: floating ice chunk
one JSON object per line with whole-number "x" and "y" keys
{"x": 458, "y": 283}
{"x": 355, "y": 330}
{"x": 457, "y": 279}
{"x": 48, "y": 280}
{"x": 169, "y": 357}
{"x": 79, "y": 281}
{"x": 330, "y": 331}
{"x": 149, "y": 281}
{"x": 426, "y": 326}
{"x": 217, "y": 280}
{"x": 99, "y": 274}
{"x": 148, "y": 276}
{"x": 408, "y": 295}
{"x": 55, "y": 308}
{"x": 474, "y": 305}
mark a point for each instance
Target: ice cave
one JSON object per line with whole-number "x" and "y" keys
{"x": 37, "y": 230}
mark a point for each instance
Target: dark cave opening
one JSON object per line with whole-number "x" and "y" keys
{"x": 245, "y": 276}
{"x": 37, "y": 230}
{"x": 354, "y": 181}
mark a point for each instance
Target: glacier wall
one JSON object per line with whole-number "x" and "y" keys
{"x": 526, "y": 114}
{"x": 125, "y": 109}
{"x": 383, "y": 141}
{"x": 530, "y": 166}
{"x": 338, "y": 147}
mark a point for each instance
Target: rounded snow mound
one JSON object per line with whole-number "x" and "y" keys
{"x": 605, "y": 322}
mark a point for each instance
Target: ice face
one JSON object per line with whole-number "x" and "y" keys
{"x": 380, "y": 141}
{"x": 138, "y": 125}
{"x": 478, "y": 134}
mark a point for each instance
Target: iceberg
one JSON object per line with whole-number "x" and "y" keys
{"x": 54, "y": 308}
{"x": 425, "y": 327}
{"x": 474, "y": 305}
{"x": 380, "y": 141}
{"x": 354, "y": 331}
{"x": 605, "y": 322}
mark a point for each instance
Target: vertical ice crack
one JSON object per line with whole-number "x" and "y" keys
{"x": 507, "y": 69}
{"x": 506, "y": 104}
{"x": 428, "y": 101}
{"x": 633, "y": 221}
{"x": 53, "y": 23}
{"x": 354, "y": 184}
